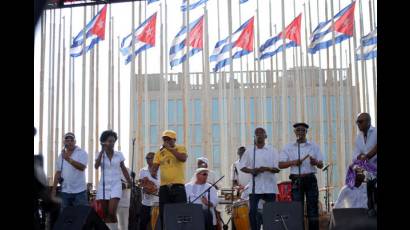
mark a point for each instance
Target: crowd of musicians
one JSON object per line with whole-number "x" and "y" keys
{"x": 163, "y": 179}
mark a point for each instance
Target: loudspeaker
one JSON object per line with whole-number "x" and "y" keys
{"x": 277, "y": 215}
{"x": 183, "y": 216}
{"x": 352, "y": 219}
{"x": 79, "y": 217}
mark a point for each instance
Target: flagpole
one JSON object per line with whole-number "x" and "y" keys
{"x": 119, "y": 91}
{"x": 242, "y": 96}
{"x": 276, "y": 133}
{"x": 140, "y": 88}
{"x": 63, "y": 85}
{"x": 57, "y": 127}
{"x": 42, "y": 54}
{"x": 349, "y": 98}
{"x": 109, "y": 125}
{"x": 73, "y": 92}
{"x": 284, "y": 82}
{"x": 146, "y": 109}
{"x": 83, "y": 83}
{"x": 112, "y": 76}
{"x": 50, "y": 100}
{"x": 374, "y": 72}
{"x": 353, "y": 95}
{"x": 70, "y": 128}
{"x": 186, "y": 81}
{"x": 162, "y": 78}
{"x": 132, "y": 131}
{"x": 166, "y": 67}
{"x": 205, "y": 82}
{"x": 362, "y": 62}
{"x": 328, "y": 104}
{"x": 97, "y": 111}
{"x": 91, "y": 113}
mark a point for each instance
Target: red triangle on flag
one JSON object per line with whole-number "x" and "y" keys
{"x": 99, "y": 25}
{"x": 148, "y": 34}
{"x": 196, "y": 35}
{"x": 245, "y": 40}
{"x": 345, "y": 23}
{"x": 292, "y": 31}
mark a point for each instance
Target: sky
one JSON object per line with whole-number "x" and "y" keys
{"x": 121, "y": 13}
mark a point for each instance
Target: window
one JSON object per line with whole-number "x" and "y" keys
{"x": 172, "y": 112}
{"x": 154, "y": 111}
{"x": 215, "y": 111}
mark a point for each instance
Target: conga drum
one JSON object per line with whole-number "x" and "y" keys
{"x": 240, "y": 215}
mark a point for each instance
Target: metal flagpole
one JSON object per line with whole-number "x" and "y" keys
{"x": 42, "y": 54}
{"x": 284, "y": 83}
{"x": 363, "y": 63}
{"x": 119, "y": 92}
{"x": 112, "y": 75}
{"x": 63, "y": 85}
{"x": 91, "y": 113}
{"x": 70, "y": 74}
{"x": 132, "y": 131}
{"x": 83, "y": 84}
{"x": 374, "y": 72}
{"x": 140, "y": 153}
{"x": 242, "y": 95}
{"x": 162, "y": 78}
{"x": 166, "y": 68}
{"x": 205, "y": 83}
{"x": 146, "y": 100}
{"x": 109, "y": 124}
{"x": 359, "y": 105}
{"x": 57, "y": 143}
{"x": 51, "y": 99}
{"x": 97, "y": 111}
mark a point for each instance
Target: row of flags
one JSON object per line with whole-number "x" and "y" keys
{"x": 241, "y": 43}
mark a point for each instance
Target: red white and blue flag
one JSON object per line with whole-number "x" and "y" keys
{"x": 94, "y": 32}
{"x": 241, "y": 44}
{"x": 144, "y": 39}
{"x": 343, "y": 29}
{"x": 274, "y": 45}
{"x": 177, "y": 52}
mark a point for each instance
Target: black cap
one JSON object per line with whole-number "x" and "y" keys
{"x": 69, "y": 134}
{"x": 301, "y": 124}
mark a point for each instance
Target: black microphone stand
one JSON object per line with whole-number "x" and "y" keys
{"x": 132, "y": 166}
{"x": 327, "y": 188}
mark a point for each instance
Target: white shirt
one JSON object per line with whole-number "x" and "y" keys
{"x": 147, "y": 199}
{"x": 290, "y": 153}
{"x": 242, "y": 178}
{"x": 265, "y": 157}
{"x": 74, "y": 179}
{"x": 211, "y": 178}
{"x": 194, "y": 190}
{"x": 362, "y": 147}
{"x": 352, "y": 197}
{"x": 111, "y": 174}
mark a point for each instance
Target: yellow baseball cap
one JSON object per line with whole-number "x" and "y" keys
{"x": 169, "y": 133}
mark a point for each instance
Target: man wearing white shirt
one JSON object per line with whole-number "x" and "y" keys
{"x": 70, "y": 173}
{"x": 197, "y": 187}
{"x": 239, "y": 178}
{"x": 263, "y": 168}
{"x": 353, "y": 197}
{"x": 305, "y": 182}
{"x": 150, "y": 186}
{"x": 366, "y": 149}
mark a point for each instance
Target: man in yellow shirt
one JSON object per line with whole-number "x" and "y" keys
{"x": 171, "y": 158}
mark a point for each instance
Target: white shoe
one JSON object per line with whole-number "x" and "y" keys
{"x": 112, "y": 226}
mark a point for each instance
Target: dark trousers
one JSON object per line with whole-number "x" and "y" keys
{"x": 308, "y": 188}
{"x": 170, "y": 194}
{"x": 145, "y": 217}
{"x": 254, "y": 216}
{"x": 372, "y": 194}
{"x": 208, "y": 220}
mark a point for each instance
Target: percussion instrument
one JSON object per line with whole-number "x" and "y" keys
{"x": 154, "y": 214}
{"x": 285, "y": 191}
{"x": 240, "y": 215}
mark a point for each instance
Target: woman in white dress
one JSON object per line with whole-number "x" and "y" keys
{"x": 112, "y": 166}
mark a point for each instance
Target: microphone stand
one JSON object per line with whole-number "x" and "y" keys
{"x": 132, "y": 166}
{"x": 206, "y": 190}
{"x": 327, "y": 188}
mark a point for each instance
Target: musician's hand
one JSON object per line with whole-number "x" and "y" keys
{"x": 66, "y": 156}
{"x": 362, "y": 157}
{"x": 132, "y": 174}
{"x": 296, "y": 162}
{"x": 313, "y": 161}
{"x": 204, "y": 201}
{"x": 168, "y": 146}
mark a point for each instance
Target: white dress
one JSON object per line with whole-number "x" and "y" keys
{"x": 110, "y": 173}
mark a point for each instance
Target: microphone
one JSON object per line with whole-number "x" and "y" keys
{"x": 326, "y": 167}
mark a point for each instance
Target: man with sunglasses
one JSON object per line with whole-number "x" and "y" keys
{"x": 195, "y": 188}
{"x": 366, "y": 149}
{"x": 302, "y": 171}
{"x": 171, "y": 159}
{"x": 150, "y": 187}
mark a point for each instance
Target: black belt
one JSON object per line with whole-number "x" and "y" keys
{"x": 301, "y": 175}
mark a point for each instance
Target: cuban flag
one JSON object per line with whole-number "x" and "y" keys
{"x": 144, "y": 39}
{"x": 274, "y": 45}
{"x": 242, "y": 1}
{"x": 194, "y": 4}
{"x": 369, "y": 44}
{"x": 177, "y": 51}
{"x": 152, "y": 1}
{"x": 94, "y": 32}
{"x": 343, "y": 29}
{"x": 241, "y": 44}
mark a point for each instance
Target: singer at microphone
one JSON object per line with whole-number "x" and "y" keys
{"x": 304, "y": 181}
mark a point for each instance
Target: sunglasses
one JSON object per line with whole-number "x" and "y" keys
{"x": 204, "y": 174}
